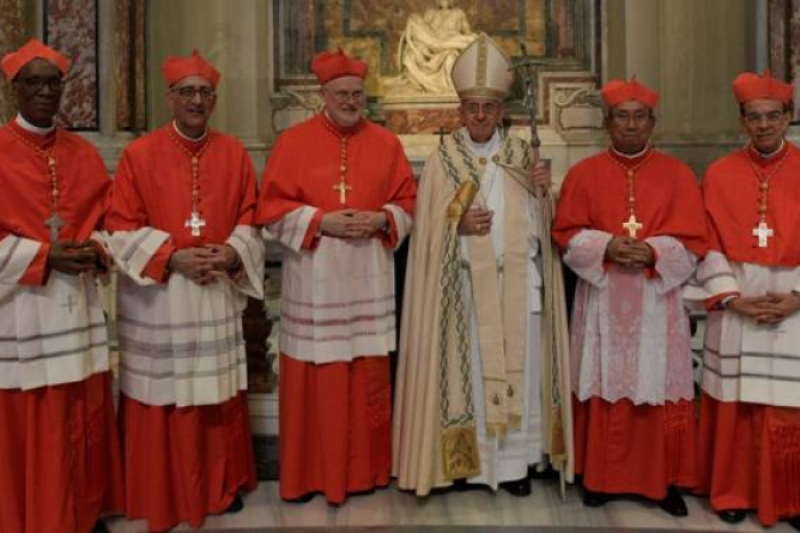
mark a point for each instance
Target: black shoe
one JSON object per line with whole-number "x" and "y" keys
{"x": 795, "y": 522}
{"x": 236, "y": 505}
{"x": 732, "y": 516}
{"x": 541, "y": 475}
{"x": 594, "y": 499}
{"x": 100, "y": 527}
{"x": 673, "y": 503}
{"x": 305, "y": 498}
{"x": 461, "y": 485}
{"x": 520, "y": 487}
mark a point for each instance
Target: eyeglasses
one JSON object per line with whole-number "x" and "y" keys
{"x": 188, "y": 92}
{"x": 773, "y": 117}
{"x": 35, "y": 83}
{"x": 344, "y": 96}
{"x": 638, "y": 117}
{"x": 489, "y": 108}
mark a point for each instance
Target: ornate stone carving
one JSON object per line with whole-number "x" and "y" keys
{"x": 575, "y": 106}
{"x": 428, "y": 47}
{"x": 290, "y": 107}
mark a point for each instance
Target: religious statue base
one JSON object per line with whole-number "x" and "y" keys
{"x": 421, "y": 114}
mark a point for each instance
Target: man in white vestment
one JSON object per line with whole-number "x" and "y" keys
{"x": 469, "y": 382}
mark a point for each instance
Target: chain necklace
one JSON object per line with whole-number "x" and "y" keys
{"x": 632, "y": 226}
{"x": 342, "y": 187}
{"x": 195, "y": 222}
{"x": 54, "y": 222}
{"x": 762, "y": 231}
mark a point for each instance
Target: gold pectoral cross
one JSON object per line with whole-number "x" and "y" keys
{"x": 195, "y": 222}
{"x": 342, "y": 187}
{"x": 632, "y": 225}
{"x": 763, "y": 232}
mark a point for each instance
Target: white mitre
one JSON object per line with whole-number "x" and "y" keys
{"x": 482, "y": 70}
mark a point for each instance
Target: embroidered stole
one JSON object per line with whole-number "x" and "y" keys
{"x": 502, "y": 317}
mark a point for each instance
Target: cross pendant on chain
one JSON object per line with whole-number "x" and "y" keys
{"x": 633, "y": 226}
{"x": 763, "y": 232}
{"x": 195, "y": 222}
{"x": 342, "y": 187}
{"x": 55, "y": 223}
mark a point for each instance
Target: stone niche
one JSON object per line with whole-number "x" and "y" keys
{"x": 410, "y": 46}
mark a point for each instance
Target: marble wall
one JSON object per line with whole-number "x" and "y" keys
{"x": 71, "y": 27}
{"x": 14, "y": 30}
{"x": 236, "y": 37}
{"x": 690, "y": 52}
{"x": 784, "y": 42}
{"x": 129, "y": 73}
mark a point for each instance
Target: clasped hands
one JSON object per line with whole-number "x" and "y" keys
{"x": 768, "y": 309}
{"x": 352, "y": 224}
{"x": 76, "y": 257}
{"x": 630, "y": 252}
{"x": 205, "y": 264}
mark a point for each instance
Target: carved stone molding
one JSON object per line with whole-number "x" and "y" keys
{"x": 575, "y": 108}
{"x": 290, "y": 107}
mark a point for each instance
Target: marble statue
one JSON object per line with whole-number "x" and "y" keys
{"x": 428, "y": 47}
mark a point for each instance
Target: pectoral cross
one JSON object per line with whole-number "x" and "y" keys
{"x": 195, "y": 222}
{"x": 342, "y": 187}
{"x": 69, "y": 303}
{"x": 632, "y": 225}
{"x": 55, "y": 223}
{"x": 763, "y": 232}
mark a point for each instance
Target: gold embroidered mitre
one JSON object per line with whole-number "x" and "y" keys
{"x": 482, "y": 70}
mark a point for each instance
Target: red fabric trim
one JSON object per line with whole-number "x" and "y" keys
{"x": 37, "y": 273}
{"x": 714, "y": 303}
{"x": 182, "y": 464}
{"x": 622, "y": 448}
{"x": 750, "y": 458}
{"x": 60, "y": 462}
{"x": 311, "y": 240}
{"x": 156, "y": 268}
{"x": 390, "y": 238}
{"x": 335, "y": 427}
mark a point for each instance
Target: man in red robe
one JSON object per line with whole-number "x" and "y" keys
{"x": 338, "y": 193}
{"x": 60, "y": 464}
{"x": 750, "y": 418}
{"x": 181, "y": 218}
{"x": 631, "y": 223}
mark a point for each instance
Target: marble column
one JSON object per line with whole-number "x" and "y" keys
{"x": 236, "y": 38}
{"x": 689, "y": 52}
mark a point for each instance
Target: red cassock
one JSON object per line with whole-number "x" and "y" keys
{"x": 183, "y": 463}
{"x": 335, "y": 404}
{"x": 622, "y": 446}
{"x": 750, "y": 452}
{"x": 60, "y": 464}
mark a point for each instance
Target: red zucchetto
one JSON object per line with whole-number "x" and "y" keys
{"x": 749, "y": 86}
{"x": 331, "y": 65}
{"x": 175, "y": 68}
{"x": 13, "y": 62}
{"x": 616, "y": 92}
